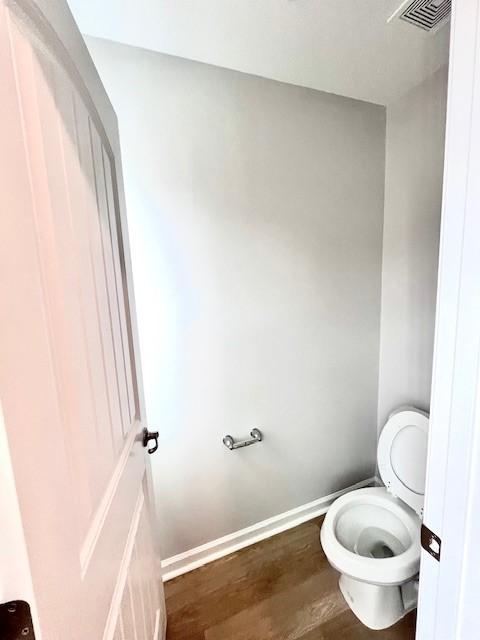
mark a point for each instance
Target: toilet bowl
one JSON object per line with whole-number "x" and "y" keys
{"x": 372, "y": 536}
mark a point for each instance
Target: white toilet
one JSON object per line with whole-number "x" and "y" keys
{"x": 372, "y": 536}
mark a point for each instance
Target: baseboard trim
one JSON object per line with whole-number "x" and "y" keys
{"x": 205, "y": 553}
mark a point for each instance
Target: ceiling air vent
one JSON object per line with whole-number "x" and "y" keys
{"x": 429, "y": 15}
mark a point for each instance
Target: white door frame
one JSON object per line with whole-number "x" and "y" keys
{"x": 450, "y": 589}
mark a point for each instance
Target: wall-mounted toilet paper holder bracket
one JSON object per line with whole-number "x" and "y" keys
{"x": 230, "y": 443}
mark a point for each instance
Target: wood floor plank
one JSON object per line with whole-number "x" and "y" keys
{"x": 279, "y": 589}
{"x": 347, "y": 627}
{"x": 289, "y": 614}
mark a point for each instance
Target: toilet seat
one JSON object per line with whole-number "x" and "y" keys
{"x": 386, "y": 571}
{"x": 402, "y": 456}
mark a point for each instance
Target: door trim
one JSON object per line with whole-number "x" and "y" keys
{"x": 445, "y": 611}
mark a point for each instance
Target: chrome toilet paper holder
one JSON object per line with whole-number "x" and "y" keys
{"x": 256, "y": 436}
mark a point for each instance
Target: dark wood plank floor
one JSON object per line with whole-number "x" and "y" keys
{"x": 279, "y": 589}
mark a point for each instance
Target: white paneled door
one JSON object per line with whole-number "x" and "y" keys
{"x": 70, "y": 381}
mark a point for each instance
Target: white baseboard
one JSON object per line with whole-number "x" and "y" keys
{"x": 199, "y": 556}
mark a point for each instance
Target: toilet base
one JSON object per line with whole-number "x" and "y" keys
{"x": 376, "y": 606}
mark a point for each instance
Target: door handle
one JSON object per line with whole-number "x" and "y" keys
{"x": 150, "y": 435}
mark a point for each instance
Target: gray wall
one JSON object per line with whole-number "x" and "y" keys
{"x": 255, "y": 212}
{"x": 413, "y": 192}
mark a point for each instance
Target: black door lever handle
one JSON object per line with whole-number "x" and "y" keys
{"x": 150, "y": 435}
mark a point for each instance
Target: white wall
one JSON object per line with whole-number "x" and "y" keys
{"x": 255, "y": 212}
{"x": 413, "y": 192}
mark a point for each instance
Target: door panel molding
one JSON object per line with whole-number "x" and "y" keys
{"x": 50, "y": 23}
{"x": 115, "y": 608}
{"x": 96, "y": 525}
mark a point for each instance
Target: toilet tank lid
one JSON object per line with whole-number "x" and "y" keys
{"x": 402, "y": 456}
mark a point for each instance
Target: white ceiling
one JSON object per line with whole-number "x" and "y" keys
{"x": 340, "y": 46}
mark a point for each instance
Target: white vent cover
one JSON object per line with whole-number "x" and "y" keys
{"x": 429, "y": 15}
